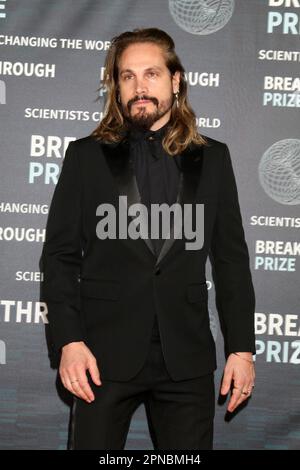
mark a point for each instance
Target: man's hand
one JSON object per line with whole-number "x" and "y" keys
{"x": 75, "y": 360}
{"x": 239, "y": 369}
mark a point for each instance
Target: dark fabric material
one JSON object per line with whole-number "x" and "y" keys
{"x": 180, "y": 414}
{"x": 157, "y": 175}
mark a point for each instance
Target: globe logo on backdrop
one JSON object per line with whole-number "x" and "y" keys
{"x": 201, "y": 16}
{"x": 279, "y": 171}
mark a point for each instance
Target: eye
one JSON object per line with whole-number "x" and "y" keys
{"x": 152, "y": 74}
{"x": 126, "y": 77}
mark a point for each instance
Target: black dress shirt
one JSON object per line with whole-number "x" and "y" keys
{"x": 157, "y": 175}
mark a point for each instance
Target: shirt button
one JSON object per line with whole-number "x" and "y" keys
{"x": 151, "y": 137}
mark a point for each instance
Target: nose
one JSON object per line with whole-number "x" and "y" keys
{"x": 141, "y": 88}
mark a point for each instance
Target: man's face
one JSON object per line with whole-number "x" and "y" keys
{"x": 146, "y": 86}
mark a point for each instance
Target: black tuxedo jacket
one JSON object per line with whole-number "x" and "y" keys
{"x": 105, "y": 292}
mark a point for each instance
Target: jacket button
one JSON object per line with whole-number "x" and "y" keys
{"x": 157, "y": 271}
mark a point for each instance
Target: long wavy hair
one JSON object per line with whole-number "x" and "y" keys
{"x": 182, "y": 130}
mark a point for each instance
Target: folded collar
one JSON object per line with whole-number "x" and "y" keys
{"x": 152, "y": 138}
{"x": 136, "y": 134}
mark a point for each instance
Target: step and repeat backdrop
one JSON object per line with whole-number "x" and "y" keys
{"x": 242, "y": 67}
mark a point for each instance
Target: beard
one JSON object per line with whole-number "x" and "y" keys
{"x": 144, "y": 119}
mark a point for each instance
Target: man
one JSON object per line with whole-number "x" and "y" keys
{"x": 128, "y": 313}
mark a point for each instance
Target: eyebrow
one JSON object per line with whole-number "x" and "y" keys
{"x": 156, "y": 67}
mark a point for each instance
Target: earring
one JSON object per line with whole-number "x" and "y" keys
{"x": 118, "y": 98}
{"x": 176, "y": 97}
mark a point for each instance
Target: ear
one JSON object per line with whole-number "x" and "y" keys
{"x": 176, "y": 81}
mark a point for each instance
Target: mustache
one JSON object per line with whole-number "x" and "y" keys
{"x": 141, "y": 97}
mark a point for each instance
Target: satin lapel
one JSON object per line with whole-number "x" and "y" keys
{"x": 118, "y": 159}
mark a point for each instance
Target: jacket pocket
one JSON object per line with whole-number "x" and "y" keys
{"x": 197, "y": 292}
{"x": 100, "y": 289}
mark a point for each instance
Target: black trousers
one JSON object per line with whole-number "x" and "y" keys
{"x": 180, "y": 414}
